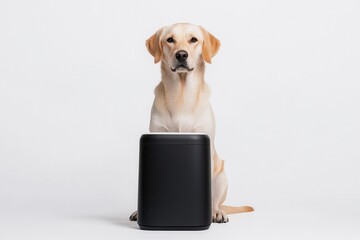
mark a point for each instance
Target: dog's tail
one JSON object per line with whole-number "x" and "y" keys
{"x": 233, "y": 210}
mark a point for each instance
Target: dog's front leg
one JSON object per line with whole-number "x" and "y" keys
{"x": 219, "y": 191}
{"x": 219, "y": 187}
{"x": 134, "y": 216}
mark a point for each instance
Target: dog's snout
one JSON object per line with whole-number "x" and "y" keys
{"x": 181, "y": 55}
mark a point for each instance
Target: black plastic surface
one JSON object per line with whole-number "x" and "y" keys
{"x": 174, "y": 182}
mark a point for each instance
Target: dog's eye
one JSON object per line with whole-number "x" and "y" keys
{"x": 193, "y": 40}
{"x": 170, "y": 40}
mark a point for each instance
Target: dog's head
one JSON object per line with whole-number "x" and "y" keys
{"x": 182, "y": 46}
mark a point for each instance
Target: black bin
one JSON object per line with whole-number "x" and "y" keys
{"x": 174, "y": 182}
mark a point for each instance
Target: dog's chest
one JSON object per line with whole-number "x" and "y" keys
{"x": 181, "y": 122}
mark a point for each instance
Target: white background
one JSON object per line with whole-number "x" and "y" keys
{"x": 76, "y": 88}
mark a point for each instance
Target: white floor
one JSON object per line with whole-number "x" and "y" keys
{"x": 321, "y": 222}
{"x": 76, "y": 88}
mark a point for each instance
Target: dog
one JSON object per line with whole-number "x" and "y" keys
{"x": 182, "y": 98}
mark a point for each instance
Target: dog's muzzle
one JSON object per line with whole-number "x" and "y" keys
{"x": 182, "y": 67}
{"x": 181, "y": 64}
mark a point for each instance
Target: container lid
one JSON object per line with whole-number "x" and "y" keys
{"x": 175, "y": 138}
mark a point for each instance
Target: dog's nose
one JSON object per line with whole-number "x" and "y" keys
{"x": 181, "y": 55}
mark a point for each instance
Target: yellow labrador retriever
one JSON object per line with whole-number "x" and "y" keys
{"x": 182, "y": 97}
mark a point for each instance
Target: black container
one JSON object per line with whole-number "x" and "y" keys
{"x": 174, "y": 182}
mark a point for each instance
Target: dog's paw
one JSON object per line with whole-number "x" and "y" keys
{"x": 220, "y": 217}
{"x": 134, "y": 216}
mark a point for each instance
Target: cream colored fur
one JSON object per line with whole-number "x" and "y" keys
{"x": 182, "y": 98}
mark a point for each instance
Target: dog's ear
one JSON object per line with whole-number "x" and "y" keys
{"x": 210, "y": 46}
{"x": 154, "y": 46}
